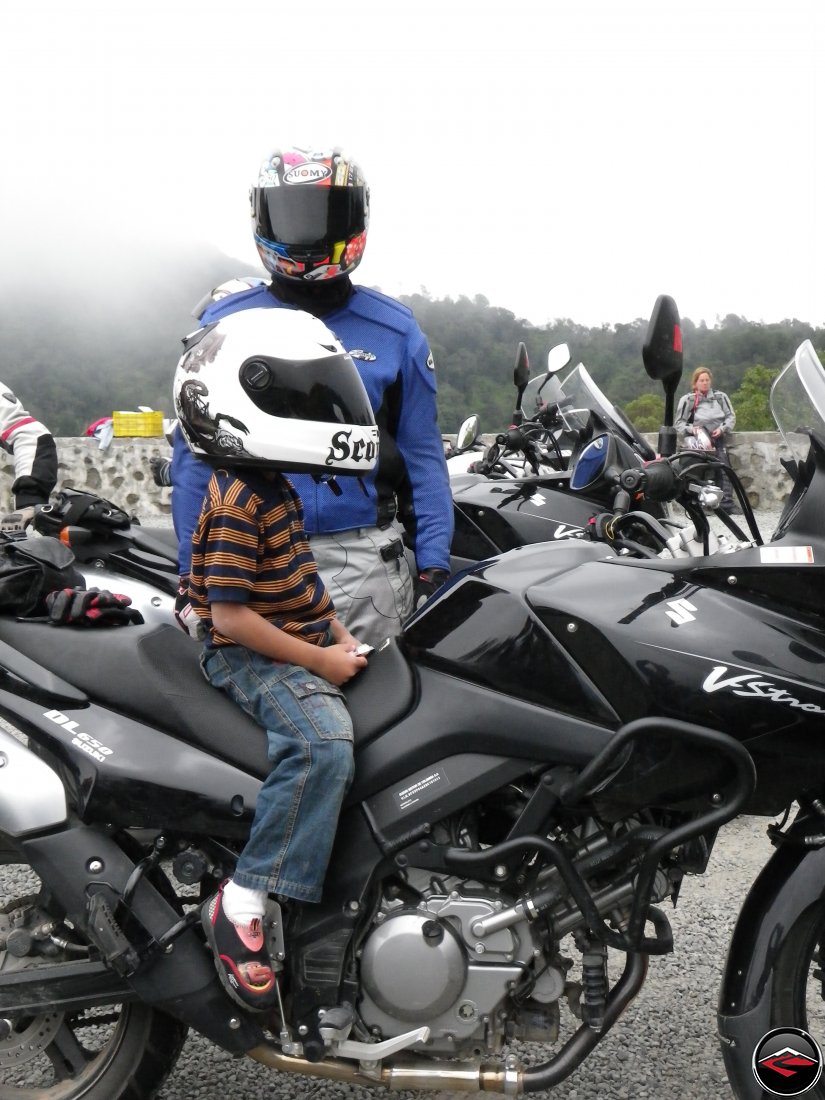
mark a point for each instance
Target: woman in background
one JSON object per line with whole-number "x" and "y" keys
{"x": 707, "y": 410}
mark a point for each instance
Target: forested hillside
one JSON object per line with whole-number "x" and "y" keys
{"x": 475, "y": 346}
{"x": 109, "y": 341}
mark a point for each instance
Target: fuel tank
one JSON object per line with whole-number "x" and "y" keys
{"x": 495, "y": 516}
{"x": 731, "y": 644}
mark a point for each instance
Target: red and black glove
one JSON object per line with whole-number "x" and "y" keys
{"x": 428, "y": 582}
{"x": 185, "y": 615}
{"x": 90, "y": 607}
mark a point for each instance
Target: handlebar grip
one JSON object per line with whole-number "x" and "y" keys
{"x": 621, "y": 502}
{"x": 660, "y": 481}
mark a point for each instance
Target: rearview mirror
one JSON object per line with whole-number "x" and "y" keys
{"x": 663, "y": 360}
{"x": 557, "y": 358}
{"x": 467, "y": 434}
{"x": 521, "y": 376}
{"x": 521, "y": 371}
{"x": 662, "y": 349}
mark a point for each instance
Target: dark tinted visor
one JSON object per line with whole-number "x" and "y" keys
{"x": 326, "y": 390}
{"x": 312, "y": 217}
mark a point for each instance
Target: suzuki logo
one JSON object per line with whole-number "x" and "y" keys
{"x": 680, "y": 611}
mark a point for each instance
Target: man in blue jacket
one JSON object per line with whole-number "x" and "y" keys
{"x": 310, "y": 213}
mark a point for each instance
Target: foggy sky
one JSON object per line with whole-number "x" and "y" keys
{"x": 571, "y": 159}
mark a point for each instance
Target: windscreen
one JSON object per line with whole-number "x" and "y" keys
{"x": 581, "y": 396}
{"x": 798, "y": 400}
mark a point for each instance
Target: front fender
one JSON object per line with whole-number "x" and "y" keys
{"x": 791, "y": 882}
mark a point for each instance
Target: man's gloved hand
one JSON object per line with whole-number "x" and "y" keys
{"x": 427, "y": 582}
{"x": 15, "y": 522}
{"x": 185, "y": 615}
{"x": 161, "y": 470}
{"x": 90, "y": 607}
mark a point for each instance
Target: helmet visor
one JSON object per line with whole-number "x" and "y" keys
{"x": 327, "y": 390}
{"x": 307, "y": 216}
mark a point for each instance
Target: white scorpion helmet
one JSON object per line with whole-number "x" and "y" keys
{"x": 274, "y": 389}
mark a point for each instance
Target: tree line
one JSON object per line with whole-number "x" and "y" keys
{"x": 475, "y": 346}
{"x": 93, "y": 351}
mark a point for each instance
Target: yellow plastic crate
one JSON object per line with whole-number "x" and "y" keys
{"x": 137, "y": 423}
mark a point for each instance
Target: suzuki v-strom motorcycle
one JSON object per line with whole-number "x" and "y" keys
{"x": 548, "y": 748}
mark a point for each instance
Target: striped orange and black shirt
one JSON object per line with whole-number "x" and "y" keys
{"x": 250, "y": 547}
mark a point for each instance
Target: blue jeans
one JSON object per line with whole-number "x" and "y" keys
{"x": 310, "y": 749}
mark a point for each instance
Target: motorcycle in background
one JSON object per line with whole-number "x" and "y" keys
{"x": 543, "y": 447}
{"x": 555, "y": 422}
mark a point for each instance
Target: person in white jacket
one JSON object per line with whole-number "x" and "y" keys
{"x": 34, "y": 454}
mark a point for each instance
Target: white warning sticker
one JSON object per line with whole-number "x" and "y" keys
{"x": 786, "y": 555}
{"x": 414, "y": 791}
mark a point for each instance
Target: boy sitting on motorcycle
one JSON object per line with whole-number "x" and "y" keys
{"x": 273, "y": 642}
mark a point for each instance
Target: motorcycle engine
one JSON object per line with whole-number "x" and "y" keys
{"x": 423, "y": 965}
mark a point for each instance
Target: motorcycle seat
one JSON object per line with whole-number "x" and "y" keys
{"x": 152, "y": 674}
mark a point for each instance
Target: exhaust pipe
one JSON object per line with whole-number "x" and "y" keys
{"x": 509, "y": 1080}
{"x": 411, "y": 1075}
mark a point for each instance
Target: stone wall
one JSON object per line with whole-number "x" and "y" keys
{"x": 121, "y": 473}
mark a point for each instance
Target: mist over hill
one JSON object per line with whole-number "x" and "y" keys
{"x": 76, "y": 345}
{"x": 83, "y": 333}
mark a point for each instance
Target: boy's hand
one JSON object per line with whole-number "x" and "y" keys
{"x": 341, "y": 635}
{"x": 339, "y": 663}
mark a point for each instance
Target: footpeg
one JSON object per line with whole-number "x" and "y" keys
{"x": 335, "y": 1024}
{"x": 109, "y": 939}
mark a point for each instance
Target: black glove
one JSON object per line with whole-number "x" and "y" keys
{"x": 185, "y": 615}
{"x": 161, "y": 470}
{"x": 428, "y": 582}
{"x": 90, "y": 607}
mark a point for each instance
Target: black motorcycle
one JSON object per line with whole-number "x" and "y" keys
{"x": 548, "y": 748}
{"x": 519, "y": 491}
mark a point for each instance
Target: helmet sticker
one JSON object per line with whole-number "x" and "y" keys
{"x": 269, "y": 178}
{"x": 308, "y": 173}
{"x": 204, "y": 351}
{"x": 354, "y": 446}
{"x": 326, "y": 271}
{"x": 355, "y": 249}
{"x": 195, "y": 414}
